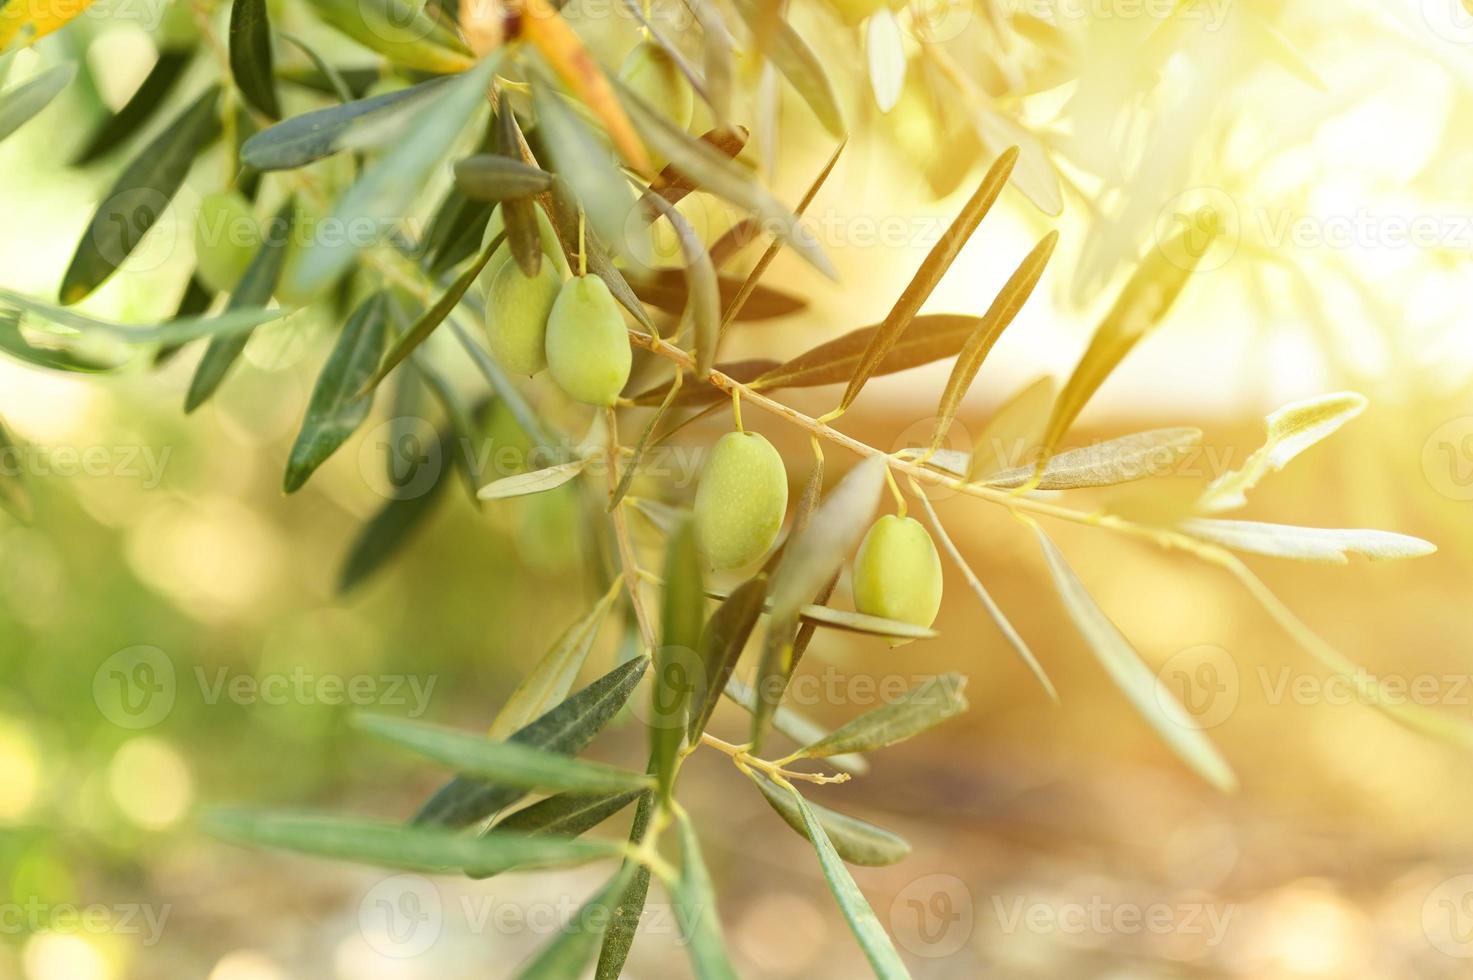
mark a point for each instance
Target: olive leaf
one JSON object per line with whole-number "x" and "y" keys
{"x": 668, "y": 291}
{"x": 636, "y": 455}
{"x": 808, "y": 562}
{"x": 568, "y": 814}
{"x": 509, "y": 763}
{"x": 722, "y": 640}
{"x": 535, "y": 481}
{"x": 695, "y": 906}
{"x": 135, "y": 114}
{"x": 715, "y": 174}
{"x": 650, "y": 30}
{"x": 1109, "y": 463}
{"x": 849, "y": 621}
{"x": 565, "y": 729}
{"x": 936, "y": 263}
{"x": 934, "y": 338}
{"x": 1291, "y": 430}
{"x": 924, "y": 706}
{"x": 703, "y": 302}
{"x": 1318, "y": 544}
{"x": 175, "y": 331}
{"x": 624, "y": 923}
{"x": 335, "y": 409}
{"x": 857, "y": 912}
{"x": 56, "y": 354}
{"x": 799, "y": 65}
{"x": 364, "y": 124}
{"x": 254, "y": 290}
{"x": 885, "y": 53}
{"x": 138, "y": 197}
{"x": 795, "y": 725}
{"x": 1143, "y": 303}
{"x": 1136, "y": 680}
{"x": 493, "y": 177}
{"x": 250, "y": 55}
{"x": 396, "y": 846}
{"x": 381, "y": 195}
{"x": 1034, "y": 176}
{"x": 1013, "y": 431}
{"x": 407, "y": 34}
{"x": 682, "y": 619}
{"x": 550, "y": 680}
{"x": 569, "y": 954}
{"x": 15, "y": 496}
{"x": 1015, "y": 640}
{"x": 19, "y": 105}
{"x": 337, "y": 84}
{"x": 856, "y": 841}
{"x": 673, "y": 184}
{"x": 1005, "y": 307}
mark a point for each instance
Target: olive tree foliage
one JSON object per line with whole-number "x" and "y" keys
{"x": 538, "y": 256}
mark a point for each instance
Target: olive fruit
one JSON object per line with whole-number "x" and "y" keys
{"x": 897, "y": 573}
{"x": 587, "y": 345}
{"x": 740, "y": 500}
{"x": 551, "y": 247}
{"x": 649, "y": 70}
{"x": 517, "y": 308}
{"x": 226, "y": 238}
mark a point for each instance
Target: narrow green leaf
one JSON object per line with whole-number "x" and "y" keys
{"x": 1004, "y": 309}
{"x": 139, "y": 196}
{"x": 56, "y": 355}
{"x": 176, "y": 331}
{"x": 383, "y": 193}
{"x": 924, "y": 706}
{"x": 569, "y": 954}
{"x": 676, "y": 662}
{"x": 397, "y": 846}
{"x": 800, "y": 66}
{"x": 636, "y": 455}
{"x": 407, "y": 34}
{"x": 695, "y": 902}
{"x": 795, "y": 725}
{"x": 934, "y": 338}
{"x": 336, "y": 410}
{"x": 361, "y": 125}
{"x": 1143, "y": 303}
{"x": 716, "y": 174}
{"x": 1291, "y": 430}
{"x": 568, "y": 814}
{"x": 703, "y": 298}
{"x": 668, "y": 291}
{"x": 619, "y": 937}
{"x": 550, "y": 680}
{"x": 536, "y": 481}
{"x": 566, "y": 729}
{"x": 509, "y": 763}
{"x": 22, "y": 103}
{"x": 492, "y": 177}
{"x": 673, "y": 185}
{"x": 1109, "y": 463}
{"x": 856, "y": 841}
{"x": 937, "y": 262}
{"x": 861, "y": 918}
{"x": 722, "y": 641}
{"x": 1318, "y": 544}
{"x": 338, "y": 85}
{"x": 135, "y": 114}
{"x": 250, "y": 55}
{"x": 1134, "y": 677}
{"x": 254, "y": 290}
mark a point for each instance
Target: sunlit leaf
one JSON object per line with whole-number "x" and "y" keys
{"x": 667, "y": 290}
{"x": 1291, "y": 430}
{"x": 924, "y": 706}
{"x": 800, "y": 66}
{"x": 1104, "y": 464}
{"x": 250, "y": 55}
{"x": 1012, "y": 433}
{"x": 405, "y": 33}
{"x": 1319, "y": 544}
{"x": 20, "y": 104}
{"x": 173, "y": 331}
{"x": 703, "y": 301}
{"x": 141, "y": 106}
{"x": 535, "y": 481}
{"x": 695, "y": 902}
{"x": 1034, "y": 175}
{"x": 1136, "y": 680}
{"x": 856, "y": 841}
{"x": 673, "y": 185}
{"x": 885, "y": 52}
{"x": 937, "y": 261}
{"x": 361, "y": 125}
{"x": 932, "y": 338}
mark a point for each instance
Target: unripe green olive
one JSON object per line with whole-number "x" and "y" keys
{"x": 226, "y": 238}
{"x": 517, "y": 308}
{"x": 897, "y": 573}
{"x": 649, "y": 70}
{"x": 741, "y": 500}
{"x": 587, "y": 344}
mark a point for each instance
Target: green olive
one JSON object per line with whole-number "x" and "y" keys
{"x": 654, "y": 76}
{"x": 897, "y": 573}
{"x": 741, "y": 500}
{"x": 551, "y": 247}
{"x": 226, "y": 238}
{"x": 517, "y": 308}
{"x": 587, "y": 344}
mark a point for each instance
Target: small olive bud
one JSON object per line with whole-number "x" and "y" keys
{"x": 517, "y": 308}
{"x": 226, "y": 238}
{"x": 654, "y": 76}
{"x": 587, "y": 344}
{"x": 897, "y": 573}
{"x": 740, "y": 501}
